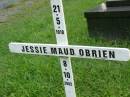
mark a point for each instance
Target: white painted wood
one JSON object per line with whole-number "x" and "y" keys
{"x": 59, "y": 22}
{"x": 103, "y": 53}
{"x": 61, "y": 37}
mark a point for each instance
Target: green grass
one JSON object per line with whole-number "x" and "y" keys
{"x": 40, "y": 76}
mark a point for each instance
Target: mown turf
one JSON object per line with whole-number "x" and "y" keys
{"x": 40, "y": 76}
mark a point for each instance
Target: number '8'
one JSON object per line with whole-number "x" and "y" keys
{"x": 65, "y": 63}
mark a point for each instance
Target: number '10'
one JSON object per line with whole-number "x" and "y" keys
{"x": 56, "y": 8}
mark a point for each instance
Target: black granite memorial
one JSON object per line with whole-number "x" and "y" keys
{"x": 110, "y": 20}
{"x": 117, "y": 3}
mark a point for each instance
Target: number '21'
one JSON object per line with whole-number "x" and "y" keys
{"x": 56, "y": 8}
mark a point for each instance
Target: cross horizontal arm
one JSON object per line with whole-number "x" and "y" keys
{"x": 106, "y": 53}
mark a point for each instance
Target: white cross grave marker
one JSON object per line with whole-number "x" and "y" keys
{"x": 65, "y": 51}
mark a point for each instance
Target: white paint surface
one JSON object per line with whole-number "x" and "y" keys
{"x": 61, "y": 37}
{"x": 104, "y": 53}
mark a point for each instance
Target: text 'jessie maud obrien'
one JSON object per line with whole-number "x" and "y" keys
{"x": 61, "y": 51}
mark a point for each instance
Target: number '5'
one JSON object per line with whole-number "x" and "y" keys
{"x": 58, "y": 20}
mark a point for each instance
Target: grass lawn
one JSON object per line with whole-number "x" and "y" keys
{"x": 40, "y": 76}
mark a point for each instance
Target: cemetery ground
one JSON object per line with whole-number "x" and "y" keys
{"x": 40, "y": 76}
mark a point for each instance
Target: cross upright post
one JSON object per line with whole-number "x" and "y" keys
{"x": 61, "y": 37}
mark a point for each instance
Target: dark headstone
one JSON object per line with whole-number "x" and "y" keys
{"x": 117, "y": 3}
{"x": 111, "y": 23}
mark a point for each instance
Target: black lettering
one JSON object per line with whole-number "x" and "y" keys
{"x": 53, "y": 50}
{"x": 58, "y": 20}
{"x": 26, "y": 49}
{"x": 72, "y": 51}
{"x": 66, "y": 51}
{"x": 60, "y": 31}
{"x": 40, "y": 49}
{"x": 67, "y": 74}
{"x": 99, "y": 53}
{"x": 94, "y": 53}
{"x": 68, "y": 83}
{"x": 36, "y": 49}
{"x": 65, "y": 63}
{"x": 111, "y": 54}
{"x": 81, "y": 52}
{"x": 31, "y": 49}
{"x": 45, "y": 50}
{"x": 105, "y": 53}
{"x": 87, "y": 52}
{"x": 23, "y": 49}
{"x": 56, "y": 8}
{"x": 60, "y": 51}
